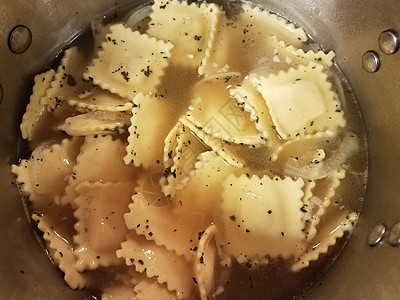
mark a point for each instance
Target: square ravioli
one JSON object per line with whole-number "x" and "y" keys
{"x": 129, "y": 62}
{"x": 190, "y": 28}
{"x": 300, "y": 101}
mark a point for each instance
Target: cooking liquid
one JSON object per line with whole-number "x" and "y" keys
{"x": 275, "y": 280}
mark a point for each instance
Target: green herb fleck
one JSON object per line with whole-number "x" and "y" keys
{"x": 147, "y": 72}
{"x": 71, "y": 80}
{"x": 125, "y": 75}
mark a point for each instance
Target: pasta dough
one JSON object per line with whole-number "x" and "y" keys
{"x": 100, "y": 226}
{"x": 262, "y": 217}
{"x": 301, "y": 101}
{"x": 190, "y": 28}
{"x": 129, "y": 63}
{"x": 157, "y": 262}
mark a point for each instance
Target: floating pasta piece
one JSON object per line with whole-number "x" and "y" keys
{"x": 190, "y": 28}
{"x": 150, "y": 289}
{"x": 100, "y": 159}
{"x": 203, "y": 192}
{"x": 98, "y": 99}
{"x": 187, "y": 151}
{"x": 39, "y": 124}
{"x": 205, "y": 262}
{"x": 168, "y": 182}
{"x": 323, "y": 192}
{"x": 55, "y": 226}
{"x": 129, "y": 62}
{"x": 100, "y": 226}
{"x": 253, "y": 103}
{"x": 157, "y": 261}
{"x": 68, "y": 81}
{"x": 23, "y": 179}
{"x": 215, "y": 144}
{"x": 148, "y": 130}
{"x": 250, "y": 36}
{"x": 295, "y": 57}
{"x": 307, "y": 204}
{"x": 44, "y": 176}
{"x": 327, "y": 236}
{"x": 214, "y": 111}
{"x": 170, "y": 144}
{"x": 35, "y": 110}
{"x": 172, "y": 225}
{"x": 301, "y": 101}
{"x": 184, "y": 156}
{"x": 262, "y": 217}
{"x": 95, "y": 122}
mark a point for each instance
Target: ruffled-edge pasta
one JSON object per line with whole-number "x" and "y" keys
{"x": 44, "y": 176}
{"x": 98, "y": 148}
{"x": 250, "y": 36}
{"x": 168, "y": 182}
{"x": 262, "y": 217}
{"x": 68, "y": 81}
{"x": 300, "y": 101}
{"x": 306, "y": 208}
{"x": 147, "y": 132}
{"x": 190, "y": 28}
{"x": 35, "y": 110}
{"x": 173, "y": 225}
{"x": 217, "y": 145}
{"x": 278, "y": 26}
{"x": 187, "y": 151}
{"x": 150, "y": 289}
{"x": 316, "y": 206}
{"x": 205, "y": 262}
{"x": 96, "y": 122}
{"x": 295, "y": 57}
{"x": 218, "y": 114}
{"x": 59, "y": 246}
{"x": 100, "y": 224}
{"x": 326, "y": 236}
{"x": 156, "y": 261}
{"x": 248, "y": 98}
{"x": 184, "y": 158}
{"x": 129, "y": 62}
{"x": 98, "y": 99}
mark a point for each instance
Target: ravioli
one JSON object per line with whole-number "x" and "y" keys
{"x": 129, "y": 62}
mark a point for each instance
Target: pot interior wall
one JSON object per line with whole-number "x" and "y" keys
{"x": 348, "y": 27}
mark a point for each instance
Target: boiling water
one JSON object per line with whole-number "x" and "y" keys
{"x": 275, "y": 280}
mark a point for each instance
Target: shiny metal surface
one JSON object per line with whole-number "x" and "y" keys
{"x": 376, "y": 234}
{"x": 20, "y": 39}
{"x": 389, "y": 42}
{"x": 394, "y": 235}
{"x": 371, "y": 61}
{"x": 348, "y": 27}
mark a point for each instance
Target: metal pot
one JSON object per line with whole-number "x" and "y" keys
{"x": 349, "y": 27}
